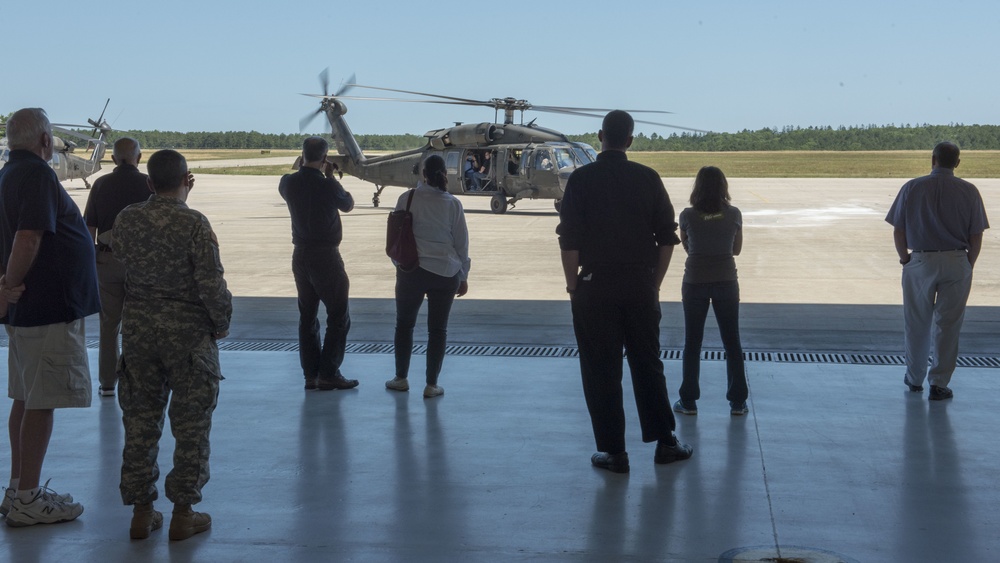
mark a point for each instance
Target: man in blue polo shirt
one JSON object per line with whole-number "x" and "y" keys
{"x": 941, "y": 219}
{"x": 47, "y": 253}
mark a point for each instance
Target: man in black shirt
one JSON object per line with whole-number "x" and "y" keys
{"x": 313, "y": 201}
{"x": 617, "y": 235}
{"x": 111, "y": 193}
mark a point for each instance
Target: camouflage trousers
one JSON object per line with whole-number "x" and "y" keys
{"x": 150, "y": 377}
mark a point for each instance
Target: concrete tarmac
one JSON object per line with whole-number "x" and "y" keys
{"x": 818, "y": 270}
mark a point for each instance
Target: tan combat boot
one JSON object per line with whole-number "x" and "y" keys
{"x": 185, "y": 522}
{"x": 144, "y": 521}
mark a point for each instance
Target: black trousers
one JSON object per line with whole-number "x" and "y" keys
{"x": 320, "y": 277}
{"x": 411, "y": 287}
{"x": 613, "y": 310}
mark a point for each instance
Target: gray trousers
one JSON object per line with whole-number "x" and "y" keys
{"x": 111, "y": 280}
{"x": 936, "y": 288}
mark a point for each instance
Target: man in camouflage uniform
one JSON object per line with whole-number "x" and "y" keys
{"x": 176, "y": 307}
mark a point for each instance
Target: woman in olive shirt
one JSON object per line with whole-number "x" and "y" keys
{"x": 712, "y": 234}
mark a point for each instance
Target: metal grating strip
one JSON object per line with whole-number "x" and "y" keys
{"x": 859, "y": 358}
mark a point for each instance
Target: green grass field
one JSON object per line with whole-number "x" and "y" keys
{"x": 816, "y": 164}
{"x": 778, "y": 164}
{"x": 231, "y": 154}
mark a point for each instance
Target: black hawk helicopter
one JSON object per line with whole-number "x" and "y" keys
{"x": 505, "y": 161}
{"x": 66, "y": 162}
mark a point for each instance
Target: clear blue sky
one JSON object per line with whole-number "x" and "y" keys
{"x": 719, "y": 65}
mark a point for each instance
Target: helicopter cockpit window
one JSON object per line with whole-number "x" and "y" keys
{"x": 5, "y": 155}
{"x": 514, "y": 162}
{"x": 451, "y": 162}
{"x": 582, "y": 156}
{"x": 564, "y": 159}
{"x": 543, "y": 161}
{"x": 55, "y": 158}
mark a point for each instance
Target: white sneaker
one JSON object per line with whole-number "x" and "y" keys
{"x": 41, "y": 509}
{"x": 433, "y": 391}
{"x": 106, "y": 392}
{"x": 8, "y": 497}
{"x": 9, "y": 494}
{"x": 398, "y": 384}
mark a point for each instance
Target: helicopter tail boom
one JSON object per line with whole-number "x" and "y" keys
{"x": 340, "y": 132}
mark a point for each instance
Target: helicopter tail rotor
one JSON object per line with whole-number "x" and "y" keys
{"x": 327, "y": 100}
{"x": 100, "y": 124}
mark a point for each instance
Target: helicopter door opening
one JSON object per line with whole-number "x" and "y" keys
{"x": 478, "y": 172}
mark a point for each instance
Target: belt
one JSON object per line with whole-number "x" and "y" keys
{"x": 946, "y": 250}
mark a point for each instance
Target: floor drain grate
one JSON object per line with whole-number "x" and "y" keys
{"x": 856, "y": 358}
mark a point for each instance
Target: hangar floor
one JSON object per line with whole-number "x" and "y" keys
{"x": 835, "y": 462}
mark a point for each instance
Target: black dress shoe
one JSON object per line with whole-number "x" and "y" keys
{"x": 338, "y": 382}
{"x": 939, "y": 393}
{"x": 310, "y": 383}
{"x": 913, "y": 388}
{"x": 669, "y": 454}
{"x": 617, "y": 463}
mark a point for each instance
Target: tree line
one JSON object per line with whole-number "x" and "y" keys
{"x": 857, "y": 138}
{"x": 861, "y": 138}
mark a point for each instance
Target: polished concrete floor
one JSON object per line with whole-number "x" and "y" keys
{"x": 836, "y": 461}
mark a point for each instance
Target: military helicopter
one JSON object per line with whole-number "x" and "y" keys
{"x": 65, "y": 161}
{"x": 505, "y": 161}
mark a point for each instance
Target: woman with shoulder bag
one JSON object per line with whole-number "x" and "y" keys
{"x": 443, "y": 250}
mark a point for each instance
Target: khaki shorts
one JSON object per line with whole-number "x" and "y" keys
{"x": 48, "y": 367}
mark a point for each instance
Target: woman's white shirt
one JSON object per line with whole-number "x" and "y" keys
{"x": 440, "y": 229}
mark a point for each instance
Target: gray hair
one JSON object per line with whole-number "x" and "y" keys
{"x": 25, "y": 128}
{"x": 127, "y": 150}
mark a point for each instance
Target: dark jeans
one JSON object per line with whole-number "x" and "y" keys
{"x": 725, "y": 300}
{"x": 320, "y": 277}
{"x": 614, "y": 310}
{"x": 410, "y": 291}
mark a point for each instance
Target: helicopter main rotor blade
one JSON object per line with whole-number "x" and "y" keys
{"x": 562, "y": 108}
{"x": 466, "y": 100}
{"x": 63, "y": 131}
{"x": 405, "y": 100}
{"x": 566, "y": 111}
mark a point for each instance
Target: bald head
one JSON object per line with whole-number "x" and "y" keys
{"x": 616, "y": 130}
{"x": 945, "y": 155}
{"x": 29, "y": 129}
{"x": 126, "y": 151}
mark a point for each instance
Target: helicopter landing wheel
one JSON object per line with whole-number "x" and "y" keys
{"x": 558, "y": 205}
{"x": 498, "y": 204}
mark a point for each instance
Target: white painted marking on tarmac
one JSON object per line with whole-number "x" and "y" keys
{"x": 809, "y": 217}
